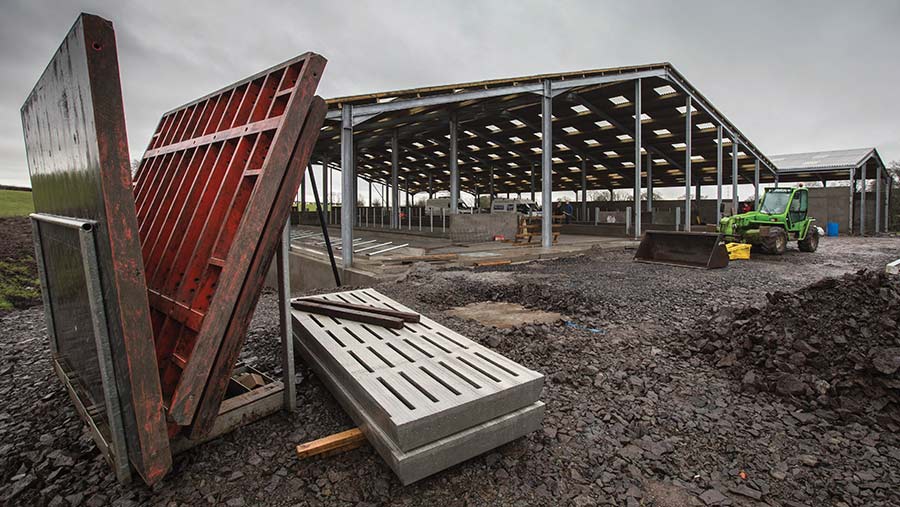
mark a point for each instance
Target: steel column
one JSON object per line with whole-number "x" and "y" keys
{"x": 395, "y": 177}
{"x": 687, "y": 164}
{"x": 862, "y": 201}
{"x": 284, "y": 318}
{"x": 878, "y": 199}
{"x": 547, "y": 165}
{"x": 852, "y": 191}
{"x": 888, "y": 194}
{"x": 454, "y": 164}
{"x": 302, "y": 209}
{"x": 734, "y": 173}
{"x": 491, "y": 185}
{"x": 649, "y": 181}
{"x": 756, "y": 185}
{"x": 326, "y": 189}
{"x": 719, "y": 175}
{"x": 348, "y": 161}
{"x": 430, "y": 186}
{"x": 637, "y": 159}
{"x": 532, "y": 181}
{"x": 583, "y": 189}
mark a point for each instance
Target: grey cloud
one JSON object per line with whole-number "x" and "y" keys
{"x": 794, "y": 76}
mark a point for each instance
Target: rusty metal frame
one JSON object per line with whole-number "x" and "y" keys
{"x": 212, "y": 191}
{"x": 77, "y": 148}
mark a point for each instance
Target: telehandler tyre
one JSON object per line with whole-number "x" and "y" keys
{"x": 810, "y": 243}
{"x": 776, "y": 243}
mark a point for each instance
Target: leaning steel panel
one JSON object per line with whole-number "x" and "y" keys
{"x": 212, "y": 192}
{"x": 77, "y": 149}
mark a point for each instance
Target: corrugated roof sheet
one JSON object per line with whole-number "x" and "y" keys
{"x": 821, "y": 160}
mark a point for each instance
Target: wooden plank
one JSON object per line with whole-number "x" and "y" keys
{"x": 339, "y": 442}
{"x": 492, "y": 263}
{"x": 425, "y": 258}
{"x": 348, "y": 314}
{"x": 406, "y": 316}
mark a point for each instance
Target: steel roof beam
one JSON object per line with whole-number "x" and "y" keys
{"x": 363, "y": 110}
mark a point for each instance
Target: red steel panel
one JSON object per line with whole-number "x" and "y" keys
{"x": 216, "y": 179}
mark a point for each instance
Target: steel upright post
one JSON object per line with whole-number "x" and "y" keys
{"x": 756, "y": 184}
{"x": 348, "y": 161}
{"x": 395, "y": 176}
{"x": 862, "y": 201}
{"x": 284, "y": 314}
{"x": 547, "y": 166}
{"x": 719, "y": 174}
{"x": 583, "y": 189}
{"x": 649, "y": 181}
{"x": 454, "y": 164}
{"x": 734, "y": 174}
{"x": 878, "y": 199}
{"x": 637, "y": 159}
{"x": 852, "y": 191}
{"x": 532, "y": 182}
{"x": 687, "y": 164}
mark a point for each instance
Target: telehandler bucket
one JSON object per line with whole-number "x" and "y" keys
{"x": 690, "y": 249}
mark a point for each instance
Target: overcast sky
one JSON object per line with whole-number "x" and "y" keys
{"x": 793, "y": 76}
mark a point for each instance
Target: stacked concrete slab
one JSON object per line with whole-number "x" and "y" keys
{"x": 425, "y": 396}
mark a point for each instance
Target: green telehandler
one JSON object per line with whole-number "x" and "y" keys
{"x": 782, "y": 216}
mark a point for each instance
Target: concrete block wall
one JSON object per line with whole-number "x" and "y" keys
{"x": 833, "y": 205}
{"x": 483, "y": 227}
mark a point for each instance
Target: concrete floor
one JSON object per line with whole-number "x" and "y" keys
{"x": 308, "y": 240}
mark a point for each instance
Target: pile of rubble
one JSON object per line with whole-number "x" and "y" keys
{"x": 834, "y": 344}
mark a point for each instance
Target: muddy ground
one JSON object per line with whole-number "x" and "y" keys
{"x": 634, "y": 417}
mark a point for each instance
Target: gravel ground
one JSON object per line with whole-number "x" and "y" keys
{"x": 634, "y": 417}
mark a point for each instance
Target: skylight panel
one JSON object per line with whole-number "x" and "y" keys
{"x": 619, "y": 100}
{"x": 664, "y": 90}
{"x": 579, "y": 109}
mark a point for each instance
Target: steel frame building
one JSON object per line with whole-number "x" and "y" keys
{"x": 853, "y": 165}
{"x": 635, "y": 128}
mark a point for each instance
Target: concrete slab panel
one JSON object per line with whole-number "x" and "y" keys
{"x": 431, "y": 458}
{"x": 417, "y": 384}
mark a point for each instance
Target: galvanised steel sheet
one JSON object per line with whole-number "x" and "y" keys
{"x": 77, "y": 150}
{"x": 213, "y": 191}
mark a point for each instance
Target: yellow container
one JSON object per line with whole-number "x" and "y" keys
{"x": 738, "y": 251}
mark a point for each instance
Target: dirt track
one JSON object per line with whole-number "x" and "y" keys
{"x": 633, "y": 416}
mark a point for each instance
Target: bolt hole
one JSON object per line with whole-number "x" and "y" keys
{"x": 97, "y": 46}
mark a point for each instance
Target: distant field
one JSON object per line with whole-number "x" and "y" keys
{"x": 15, "y": 203}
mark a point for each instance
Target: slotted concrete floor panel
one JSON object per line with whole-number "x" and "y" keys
{"x": 420, "y": 383}
{"x": 433, "y": 457}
